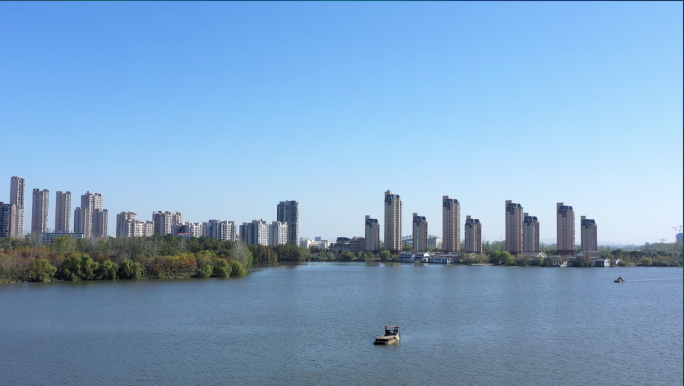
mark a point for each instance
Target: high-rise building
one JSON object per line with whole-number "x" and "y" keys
{"x": 63, "y": 212}
{"x": 589, "y": 235}
{"x": 164, "y": 221}
{"x": 88, "y": 216}
{"x": 255, "y": 232}
{"x": 217, "y": 229}
{"x": 473, "y": 235}
{"x": 125, "y": 224}
{"x": 277, "y": 233}
{"x": 100, "y": 221}
{"x": 7, "y": 216}
{"x": 195, "y": 229}
{"x": 514, "y": 222}
{"x": 565, "y": 229}
{"x": 420, "y": 233}
{"x": 530, "y": 233}
{"x": 288, "y": 211}
{"x": 17, "y": 197}
{"x": 392, "y": 221}
{"x": 451, "y": 224}
{"x": 372, "y": 235}
{"x": 41, "y": 206}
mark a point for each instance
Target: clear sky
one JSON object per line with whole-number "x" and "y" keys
{"x": 222, "y": 109}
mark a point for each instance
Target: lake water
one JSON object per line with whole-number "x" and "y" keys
{"x": 314, "y": 324}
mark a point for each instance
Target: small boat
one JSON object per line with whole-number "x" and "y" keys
{"x": 391, "y": 336}
{"x": 620, "y": 280}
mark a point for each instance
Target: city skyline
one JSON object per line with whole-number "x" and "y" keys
{"x": 516, "y": 93}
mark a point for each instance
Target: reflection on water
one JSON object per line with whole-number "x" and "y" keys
{"x": 315, "y": 324}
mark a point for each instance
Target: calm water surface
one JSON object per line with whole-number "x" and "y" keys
{"x": 314, "y": 324}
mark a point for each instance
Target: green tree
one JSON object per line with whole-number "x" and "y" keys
{"x": 237, "y": 269}
{"x": 385, "y": 255}
{"x": 108, "y": 270}
{"x": 221, "y": 268}
{"x": 40, "y": 270}
{"x": 79, "y": 266}
{"x": 130, "y": 269}
{"x": 241, "y": 253}
{"x": 204, "y": 271}
{"x": 63, "y": 245}
{"x": 501, "y": 258}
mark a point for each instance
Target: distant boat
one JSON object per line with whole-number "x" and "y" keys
{"x": 391, "y": 336}
{"x": 620, "y": 280}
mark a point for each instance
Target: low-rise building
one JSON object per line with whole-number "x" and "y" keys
{"x": 346, "y": 244}
{"x": 47, "y": 238}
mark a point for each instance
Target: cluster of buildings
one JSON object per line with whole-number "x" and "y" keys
{"x": 522, "y": 231}
{"x": 90, "y": 219}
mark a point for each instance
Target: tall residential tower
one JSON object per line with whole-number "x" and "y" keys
{"x": 530, "y": 233}
{"x": 514, "y": 222}
{"x": 473, "y": 235}
{"x": 41, "y": 206}
{"x": 420, "y": 233}
{"x": 565, "y": 229}
{"x": 451, "y": 224}
{"x": 17, "y": 197}
{"x": 589, "y": 235}
{"x": 63, "y": 212}
{"x": 372, "y": 234}
{"x": 288, "y": 212}
{"x": 392, "y": 221}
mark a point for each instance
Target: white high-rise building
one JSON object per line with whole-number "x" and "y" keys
{"x": 164, "y": 221}
{"x": 194, "y": 229}
{"x": 372, "y": 234}
{"x": 288, "y": 212}
{"x": 530, "y": 233}
{"x": 125, "y": 224}
{"x": 63, "y": 212}
{"x": 451, "y": 224}
{"x": 392, "y": 221}
{"x": 219, "y": 229}
{"x": 89, "y": 215}
{"x": 514, "y": 222}
{"x": 255, "y": 232}
{"x": 17, "y": 197}
{"x": 473, "y": 235}
{"x": 420, "y": 233}
{"x": 589, "y": 235}
{"x": 41, "y": 206}
{"x": 277, "y": 233}
{"x": 565, "y": 229}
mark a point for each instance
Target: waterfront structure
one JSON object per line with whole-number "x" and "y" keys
{"x": 565, "y": 229}
{"x": 451, "y": 224}
{"x": 589, "y": 238}
{"x": 41, "y": 206}
{"x": 164, "y": 221}
{"x": 288, "y": 212}
{"x": 530, "y": 233}
{"x": 372, "y": 234}
{"x": 420, "y": 233}
{"x": 17, "y": 198}
{"x": 7, "y": 216}
{"x": 473, "y": 235}
{"x": 88, "y": 218}
{"x": 100, "y": 221}
{"x": 514, "y": 222}
{"x": 392, "y": 221}
{"x": 47, "y": 238}
{"x": 278, "y": 233}
{"x": 346, "y": 244}
{"x": 435, "y": 242}
{"x": 63, "y": 212}
{"x": 255, "y": 232}
{"x": 216, "y": 229}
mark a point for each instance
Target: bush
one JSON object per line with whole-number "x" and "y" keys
{"x": 79, "y": 266}
{"x": 130, "y": 269}
{"x": 204, "y": 271}
{"x": 222, "y": 268}
{"x": 237, "y": 269}
{"x": 501, "y": 258}
{"x": 108, "y": 270}
{"x": 40, "y": 270}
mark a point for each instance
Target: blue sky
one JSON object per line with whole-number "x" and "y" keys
{"x": 221, "y": 110}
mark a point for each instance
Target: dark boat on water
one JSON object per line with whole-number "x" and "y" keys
{"x": 620, "y": 280}
{"x": 391, "y": 336}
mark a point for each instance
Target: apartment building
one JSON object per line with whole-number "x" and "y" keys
{"x": 7, "y": 216}
{"x": 125, "y": 224}
{"x": 451, "y": 224}
{"x": 100, "y": 222}
{"x": 63, "y": 212}
{"x": 372, "y": 234}
{"x": 530, "y": 233}
{"x": 278, "y": 233}
{"x": 255, "y": 232}
{"x": 514, "y": 232}
{"x": 41, "y": 207}
{"x": 17, "y": 198}
{"x": 392, "y": 221}
{"x": 473, "y": 235}
{"x": 89, "y": 217}
{"x": 217, "y": 229}
{"x": 589, "y": 237}
{"x": 420, "y": 233}
{"x": 164, "y": 221}
{"x": 565, "y": 229}
{"x": 288, "y": 212}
